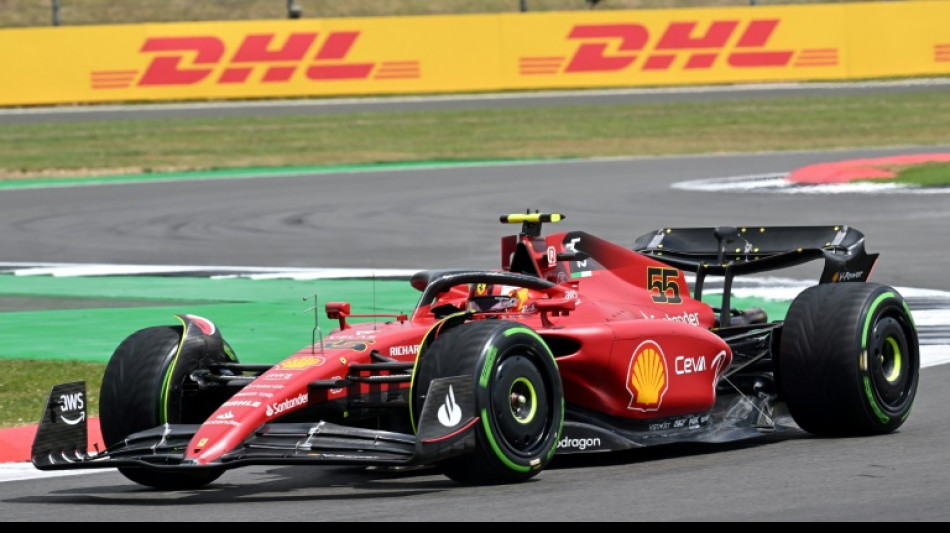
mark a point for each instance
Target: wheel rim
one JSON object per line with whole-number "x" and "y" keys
{"x": 890, "y": 360}
{"x": 519, "y": 396}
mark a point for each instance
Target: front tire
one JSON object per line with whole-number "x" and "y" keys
{"x": 518, "y": 397}
{"x": 144, "y": 387}
{"x": 849, "y": 359}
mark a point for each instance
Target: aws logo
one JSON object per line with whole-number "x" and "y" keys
{"x": 70, "y": 403}
{"x": 647, "y": 377}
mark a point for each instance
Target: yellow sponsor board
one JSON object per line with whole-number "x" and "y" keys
{"x": 472, "y": 53}
{"x": 727, "y": 45}
{"x": 247, "y": 59}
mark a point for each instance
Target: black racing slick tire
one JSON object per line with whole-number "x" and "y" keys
{"x": 519, "y": 398}
{"x": 849, "y": 360}
{"x": 139, "y": 392}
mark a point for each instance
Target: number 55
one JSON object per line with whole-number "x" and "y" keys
{"x": 665, "y": 290}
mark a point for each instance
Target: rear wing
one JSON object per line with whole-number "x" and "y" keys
{"x": 730, "y": 251}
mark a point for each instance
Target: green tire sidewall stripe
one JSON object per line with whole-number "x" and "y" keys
{"x": 497, "y": 449}
{"x": 229, "y": 352}
{"x": 868, "y": 388}
{"x": 870, "y": 317}
{"x": 166, "y": 383}
{"x": 485, "y": 375}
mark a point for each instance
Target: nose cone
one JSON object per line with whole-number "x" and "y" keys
{"x": 223, "y": 433}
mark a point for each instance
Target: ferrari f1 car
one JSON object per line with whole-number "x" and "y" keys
{"x": 574, "y": 345}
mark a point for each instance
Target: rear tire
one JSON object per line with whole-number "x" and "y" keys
{"x": 131, "y": 398}
{"x": 849, "y": 360}
{"x": 518, "y": 397}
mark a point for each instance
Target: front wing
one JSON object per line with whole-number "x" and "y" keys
{"x": 61, "y": 440}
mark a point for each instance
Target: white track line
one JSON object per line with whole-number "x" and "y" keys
{"x": 26, "y": 471}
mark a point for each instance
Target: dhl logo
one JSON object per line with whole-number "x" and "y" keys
{"x": 647, "y": 380}
{"x": 617, "y": 47}
{"x": 264, "y": 58}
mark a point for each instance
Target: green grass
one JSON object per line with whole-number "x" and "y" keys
{"x": 746, "y": 125}
{"x": 926, "y": 175}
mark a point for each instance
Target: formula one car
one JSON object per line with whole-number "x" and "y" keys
{"x": 575, "y": 345}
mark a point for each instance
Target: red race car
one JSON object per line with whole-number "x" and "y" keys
{"x": 575, "y": 345}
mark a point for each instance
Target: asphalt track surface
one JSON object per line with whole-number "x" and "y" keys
{"x": 447, "y": 218}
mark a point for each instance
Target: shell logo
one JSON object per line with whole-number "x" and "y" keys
{"x": 298, "y": 363}
{"x": 647, "y": 377}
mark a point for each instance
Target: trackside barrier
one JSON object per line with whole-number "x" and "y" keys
{"x": 473, "y": 53}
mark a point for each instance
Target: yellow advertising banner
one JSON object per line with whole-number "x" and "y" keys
{"x": 261, "y": 59}
{"x": 472, "y": 53}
